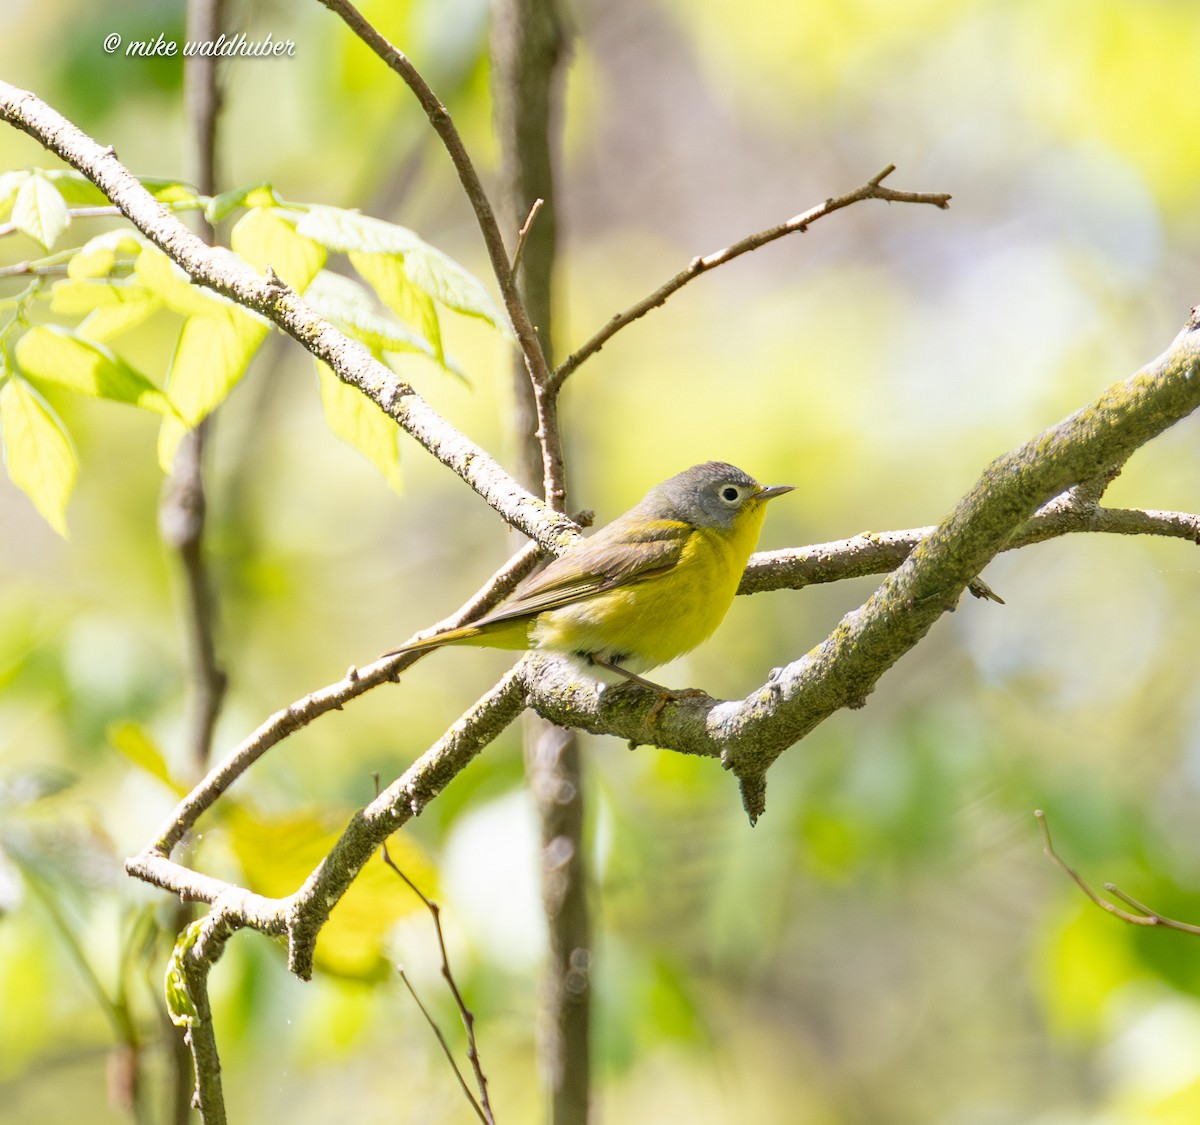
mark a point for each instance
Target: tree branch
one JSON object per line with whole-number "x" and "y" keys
{"x": 793, "y": 568}
{"x": 301, "y": 915}
{"x": 443, "y": 125}
{"x": 872, "y": 189}
{"x": 482, "y": 1104}
{"x": 748, "y": 735}
{"x": 227, "y": 274}
{"x": 1144, "y": 916}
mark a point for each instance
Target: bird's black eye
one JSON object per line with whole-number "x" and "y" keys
{"x": 729, "y": 493}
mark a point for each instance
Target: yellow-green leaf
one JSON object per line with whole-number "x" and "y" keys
{"x": 449, "y": 284}
{"x": 213, "y": 353}
{"x": 170, "y": 191}
{"x": 111, "y": 306}
{"x": 277, "y": 853}
{"x": 348, "y": 305}
{"x": 37, "y": 451}
{"x": 53, "y": 355}
{"x": 97, "y": 256}
{"x": 10, "y": 184}
{"x": 347, "y": 231}
{"x": 259, "y": 195}
{"x": 387, "y": 275}
{"x": 170, "y": 434}
{"x": 361, "y": 424}
{"x": 265, "y": 239}
{"x": 40, "y": 211}
{"x": 75, "y": 187}
{"x": 158, "y": 273}
{"x": 134, "y": 743}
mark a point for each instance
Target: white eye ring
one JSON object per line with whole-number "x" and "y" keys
{"x": 731, "y": 494}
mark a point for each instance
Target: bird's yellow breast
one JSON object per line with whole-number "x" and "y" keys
{"x": 652, "y": 621}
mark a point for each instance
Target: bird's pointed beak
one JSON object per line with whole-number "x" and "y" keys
{"x": 773, "y": 490}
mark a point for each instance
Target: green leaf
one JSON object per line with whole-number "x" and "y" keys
{"x": 361, "y": 424}
{"x": 212, "y": 355}
{"x": 173, "y": 287}
{"x": 348, "y": 305}
{"x": 76, "y": 188}
{"x": 170, "y": 191}
{"x": 426, "y": 268}
{"x": 346, "y": 231}
{"x": 10, "y": 184}
{"x": 131, "y": 740}
{"x": 37, "y": 451}
{"x": 97, "y": 256}
{"x": 40, "y": 211}
{"x": 387, "y": 275}
{"x": 53, "y": 355}
{"x": 278, "y": 852}
{"x": 110, "y": 306}
{"x": 265, "y": 240}
{"x": 449, "y": 284}
{"x": 180, "y": 1005}
{"x": 223, "y": 205}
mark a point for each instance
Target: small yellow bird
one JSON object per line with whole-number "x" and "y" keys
{"x": 641, "y": 591}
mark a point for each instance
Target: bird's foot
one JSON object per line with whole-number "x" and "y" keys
{"x": 669, "y": 695}
{"x": 665, "y": 695}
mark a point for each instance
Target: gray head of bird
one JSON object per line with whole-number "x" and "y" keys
{"x": 708, "y": 495}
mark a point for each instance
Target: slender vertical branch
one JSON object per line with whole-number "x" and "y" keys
{"x": 182, "y": 521}
{"x": 444, "y": 126}
{"x": 527, "y": 47}
{"x": 184, "y": 508}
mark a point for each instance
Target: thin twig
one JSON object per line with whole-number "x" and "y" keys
{"x": 482, "y": 1106}
{"x": 444, "y": 126}
{"x": 107, "y": 212}
{"x": 445, "y": 1049}
{"x": 1144, "y": 916}
{"x": 37, "y": 267}
{"x": 523, "y": 233}
{"x": 182, "y": 521}
{"x": 877, "y": 552}
{"x": 872, "y": 189}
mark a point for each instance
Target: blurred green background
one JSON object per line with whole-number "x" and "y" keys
{"x": 888, "y": 945}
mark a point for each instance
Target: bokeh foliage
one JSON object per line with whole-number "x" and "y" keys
{"x": 888, "y": 944}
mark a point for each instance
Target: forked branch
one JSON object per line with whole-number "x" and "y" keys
{"x": 797, "y": 224}
{"x": 1141, "y": 914}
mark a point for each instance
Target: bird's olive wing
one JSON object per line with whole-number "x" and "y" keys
{"x": 615, "y": 556}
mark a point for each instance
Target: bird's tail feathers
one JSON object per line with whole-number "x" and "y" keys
{"x": 449, "y": 637}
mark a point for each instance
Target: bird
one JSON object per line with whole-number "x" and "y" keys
{"x": 645, "y": 589}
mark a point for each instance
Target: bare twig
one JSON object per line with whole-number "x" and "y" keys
{"x": 523, "y": 233}
{"x": 103, "y": 212}
{"x": 437, "y": 1031}
{"x": 482, "y": 1106}
{"x": 792, "y": 568}
{"x": 443, "y": 125}
{"x": 1144, "y": 916}
{"x": 872, "y": 189}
